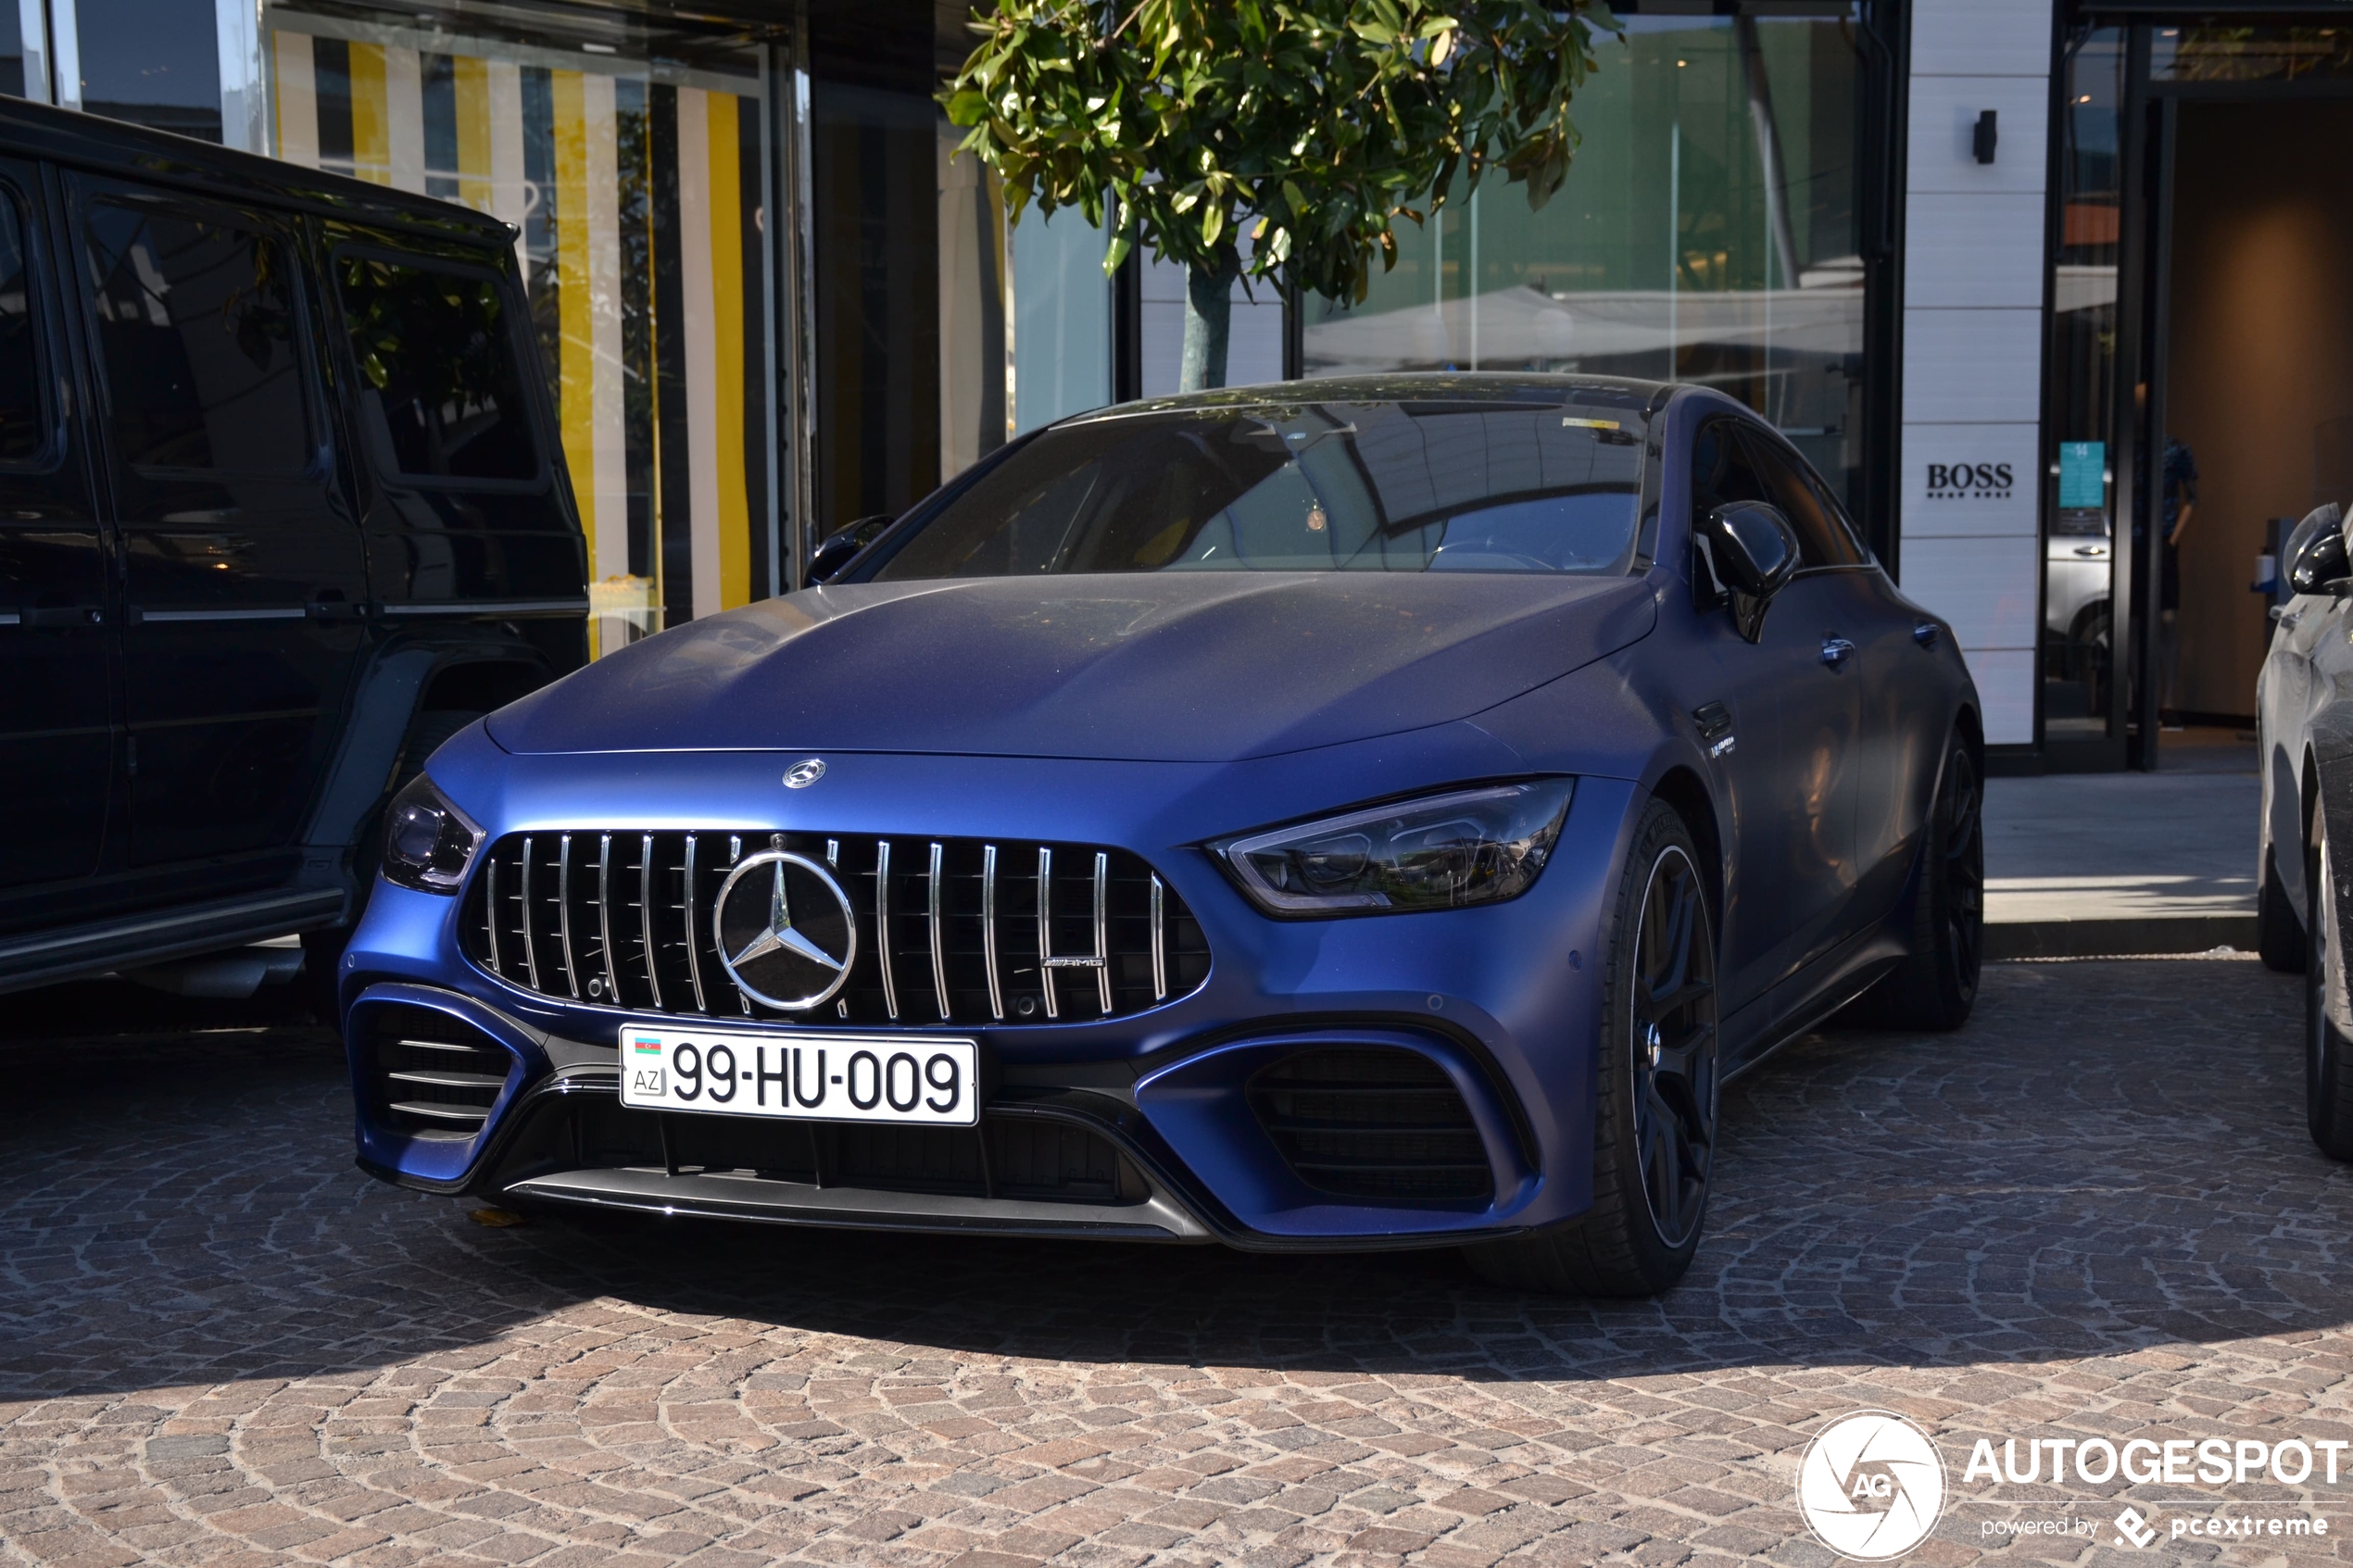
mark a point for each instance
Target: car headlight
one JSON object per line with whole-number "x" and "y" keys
{"x": 428, "y": 842}
{"x": 1440, "y": 852}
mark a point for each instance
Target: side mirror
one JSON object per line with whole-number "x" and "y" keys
{"x": 828, "y": 559}
{"x": 2316, "y": 556}
{"x": 1753, "y": 550}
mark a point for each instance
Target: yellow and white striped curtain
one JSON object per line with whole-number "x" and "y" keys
{"x": 574, "y": 160}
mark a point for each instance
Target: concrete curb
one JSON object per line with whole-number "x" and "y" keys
{"x": 2118, "y": 938}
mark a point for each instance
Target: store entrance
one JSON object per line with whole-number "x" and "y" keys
{"x": 2201, "y": 371}
{"x": 2258, "y": 379}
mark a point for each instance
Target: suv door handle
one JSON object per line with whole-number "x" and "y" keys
{"x": 1836, "y": 651}
{"x": 77, "y": 615}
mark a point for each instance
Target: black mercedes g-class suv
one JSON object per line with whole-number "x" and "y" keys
{"x": 282, "y": 508}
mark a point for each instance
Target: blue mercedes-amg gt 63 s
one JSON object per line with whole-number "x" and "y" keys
{"x": 1342, "y": 815}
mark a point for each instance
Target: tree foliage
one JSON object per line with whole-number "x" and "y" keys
{"x": 1313, "y": 124}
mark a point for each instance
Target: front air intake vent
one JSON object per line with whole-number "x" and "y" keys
{"x": 955, "y": 932}
{"x": 1027, "y": 1158}
{"x": 434, "y": 1076}
{"x": 1373, "y": 1123}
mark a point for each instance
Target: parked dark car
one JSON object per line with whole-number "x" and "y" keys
{"x": 1364, "y": 814}
{"x": 280, "y": 511}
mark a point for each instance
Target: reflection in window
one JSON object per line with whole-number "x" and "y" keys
{"x": 1707, "y": 232}
{"x": 22, "y": 428}
{"x": 1327, "y": 487}
{"x": 195, "y": 325}
{"x": 2211, "y": 51}
{"x": 440, "y": 395}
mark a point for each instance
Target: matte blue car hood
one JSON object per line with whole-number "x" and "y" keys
{"x": 1191, "y": 668}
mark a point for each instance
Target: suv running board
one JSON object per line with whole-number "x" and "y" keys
{"x": 86, "y": 950}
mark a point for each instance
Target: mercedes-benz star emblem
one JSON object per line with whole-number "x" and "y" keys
{"x": 786, "y": 931}
{"x": 801, "y": 775}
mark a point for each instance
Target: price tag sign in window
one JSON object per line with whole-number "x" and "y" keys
{"x": 2083, "y": 475}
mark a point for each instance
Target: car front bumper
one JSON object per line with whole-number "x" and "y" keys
{"x": 1502, "y": 1000}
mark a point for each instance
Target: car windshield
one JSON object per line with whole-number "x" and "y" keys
{"x": 1447, "y": 485}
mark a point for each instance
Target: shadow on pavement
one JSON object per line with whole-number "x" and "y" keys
{"x": 2111, "y": 1157}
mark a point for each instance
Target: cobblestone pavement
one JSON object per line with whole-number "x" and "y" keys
{"x": 2092, "y": 1212}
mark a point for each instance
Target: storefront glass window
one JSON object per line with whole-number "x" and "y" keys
{"x": 1707, "y": 232}
{"x": 155, "y": 62}
{"x": 2211, "y": 51}
{"x": 1062, "y": 319}
{"x": 635, "y": 162}
{"x": 2079, "y": 551}
{"x": 875, "y": 182}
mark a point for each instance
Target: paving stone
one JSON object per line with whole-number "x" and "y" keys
{"x": 2094, "y": 1212}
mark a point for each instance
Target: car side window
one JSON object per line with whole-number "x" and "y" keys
{"x": 441, "y": 393}
{"x": 1822, "y": 538}
{"x": 197, "y": 332}
{"x": 1721, "y": 469}
{"x": 24, "y": 422}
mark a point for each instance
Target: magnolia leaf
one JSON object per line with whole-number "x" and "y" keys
{"x": 1212, "y": 223}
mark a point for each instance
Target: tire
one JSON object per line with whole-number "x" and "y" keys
{"x": 2279, "y": 936}
{"x": 323, "y": 950}
{"x": 1656, "y": 1090}
{"x": 2328, "y": 1055}
{"x": 1935, "y": 989}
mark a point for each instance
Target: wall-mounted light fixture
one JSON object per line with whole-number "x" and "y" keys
{"x": 1982, "y": 138}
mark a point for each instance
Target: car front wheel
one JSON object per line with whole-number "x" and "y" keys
{"x": 1655, "y": 1136}
{"x": 2328, "y": 1071}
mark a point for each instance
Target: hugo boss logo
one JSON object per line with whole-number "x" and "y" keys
{"x": 1968, "y": 481}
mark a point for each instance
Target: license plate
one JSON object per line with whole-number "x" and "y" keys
{"x": 803, "y": 1077}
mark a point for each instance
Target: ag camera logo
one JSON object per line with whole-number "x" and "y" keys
{"x": 1871, "y": 1486}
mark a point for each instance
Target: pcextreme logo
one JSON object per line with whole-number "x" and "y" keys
{"x": 1871, "y": 1486}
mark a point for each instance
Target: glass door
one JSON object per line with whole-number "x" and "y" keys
{"x": 2082, "y": 616}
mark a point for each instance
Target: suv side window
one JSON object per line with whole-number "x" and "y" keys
{"x": 1721, "y": 469}
{"x": 24, "y": 423}
{"x": 1822, "y": 537}
{"x": 441, "y": 393}
{"x": 196, "y": 331}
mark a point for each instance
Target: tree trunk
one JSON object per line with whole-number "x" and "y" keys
{"x": 1209, "y": 311}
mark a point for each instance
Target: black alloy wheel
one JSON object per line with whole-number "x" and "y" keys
{"x": 1672, "y": 1052}
{"x": 2328, "y": 1056}
{"x": 1654, "y": 1087}
{"x": 1936, "y": 986}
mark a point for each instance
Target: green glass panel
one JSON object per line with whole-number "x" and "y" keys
{"x": 1705, "y": 233}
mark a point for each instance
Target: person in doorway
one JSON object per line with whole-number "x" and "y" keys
{"x": 2178, "y": 498}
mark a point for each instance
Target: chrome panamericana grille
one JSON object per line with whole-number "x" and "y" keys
{"x": 952, "y": 931}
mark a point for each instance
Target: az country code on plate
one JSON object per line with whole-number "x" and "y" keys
{"x": 803, "y": 1077}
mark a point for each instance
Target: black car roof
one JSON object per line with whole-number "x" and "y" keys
{"x": 1433, "y": 386}
{"x": 96, "y": 142}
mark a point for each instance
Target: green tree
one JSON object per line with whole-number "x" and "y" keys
{"x": 1310, "y": 125}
